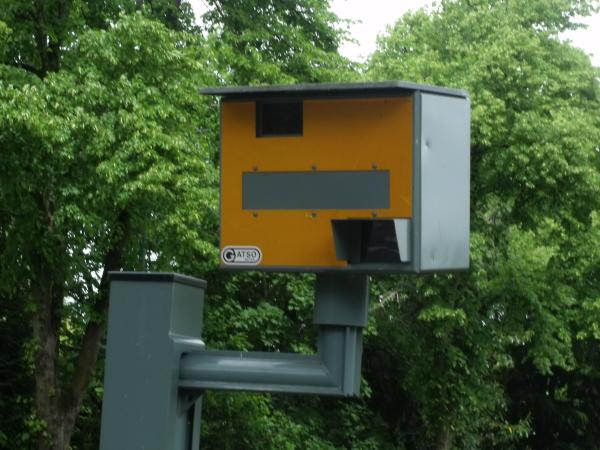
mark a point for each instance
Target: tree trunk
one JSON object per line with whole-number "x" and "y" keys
{"x": 46, "y": 325}
{"x": 59, "y": 408}
{"x": 444, "y": 440}
{"x": 49, "y": 46}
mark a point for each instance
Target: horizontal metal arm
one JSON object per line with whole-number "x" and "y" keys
{"x": 341, "y": 313}
{"x": 255, "y": 371}
{"x": 333, "y": 371}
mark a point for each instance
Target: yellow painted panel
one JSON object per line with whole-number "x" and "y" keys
{"x": 339, "y": 134}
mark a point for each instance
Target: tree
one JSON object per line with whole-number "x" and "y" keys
{"x": 108, "y": 162}
{"x": 93, "y": 158}
{"x": 276, "y": 41}
{"x": 470, "y": 345}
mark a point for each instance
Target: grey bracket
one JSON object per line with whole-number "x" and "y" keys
{"x": 157, "y": 366}
{"x": 341, "y": 300}
{"x": 340, "y": 311}
{"x": 153, "y": 319}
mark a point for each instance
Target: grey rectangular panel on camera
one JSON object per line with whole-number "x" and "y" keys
{"x": 444, "y": 183}
{"x": 404, "y": 238}
{"x": 347, "y": 239}
{"x": 369, "y": 189}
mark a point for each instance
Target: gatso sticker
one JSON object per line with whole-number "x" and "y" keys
{"x": 241, "y": 255}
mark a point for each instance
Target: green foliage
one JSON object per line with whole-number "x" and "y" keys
{"x": 260, "y": 421}
{"x": 276, "y": 41}
{"x": 15, "y": 379}
{"x": 112, "y": 148}
{"x": 270, "y": 312}
{"x": 469, "y": 341}
{"x": 4, "y": 37}
{"x": 43, "y": 30}
{"x": 106, "y": 148}
{"x": 121, "y": 118}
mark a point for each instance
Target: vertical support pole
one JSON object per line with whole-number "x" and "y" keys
{"x": 153, "y": 318}
{"x": 341, "y": 299}
{"x": 341, "y": 311}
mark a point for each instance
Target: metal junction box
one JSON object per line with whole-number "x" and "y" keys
{"x": 367, "y": 177}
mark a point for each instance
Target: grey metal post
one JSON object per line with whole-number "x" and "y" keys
{"x": 153, "y": 319}
{"x": 341, "y": 311}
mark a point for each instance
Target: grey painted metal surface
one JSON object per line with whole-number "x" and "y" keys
{"x": 444, "y": 183}
{"x": 415, "y": 262}
{"x": 255, "y": 371}
{"x": 157, "y": 367}
{"x": 157, "y": 276}
{"x": 342, "y": 299}
{"x": 347, "y": 237}
{"x": 331, "y": 89}
{"x": 316, "y": 190}
{"x": 335, "y": 370}
{"x": 153, "y": 319}
{"x": 403, "y": 238}
{"x": 341, "y": 312}
{"x": 341, "y": 349}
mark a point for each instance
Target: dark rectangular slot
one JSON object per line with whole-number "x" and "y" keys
{"x": 366, "y": 241}
{"x": 378, "y": 242}
{"x": 316, "y": 190}
{"x": 279, "y": 118}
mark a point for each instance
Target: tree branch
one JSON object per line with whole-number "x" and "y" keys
{"x": 41, "y": 38}
{"x": 63, "y": 11}
{"x": 94, "y": 332}
{"x": 29, "y": 68}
